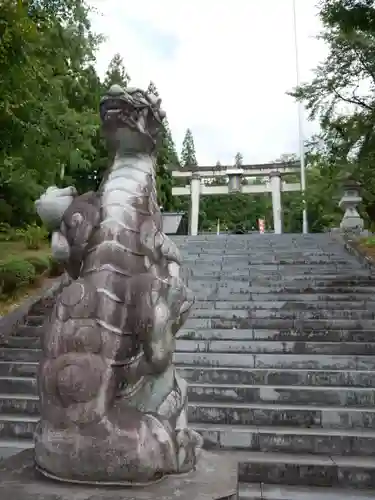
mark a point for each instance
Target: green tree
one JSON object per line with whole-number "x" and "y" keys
{"x": 188, "y": 156}
{"x": 151, "y": 89}
{"x": 341, "y": 94}
{"x": 238, "y": 160}
{"x": 47, "y": 125}
{"x": 116, "y": 73}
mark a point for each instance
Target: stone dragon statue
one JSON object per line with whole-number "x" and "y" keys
{"x": 113, "y": 408}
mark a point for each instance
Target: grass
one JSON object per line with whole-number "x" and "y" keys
{"x": 367, "y": 245}
{"x": 17, "y": 249}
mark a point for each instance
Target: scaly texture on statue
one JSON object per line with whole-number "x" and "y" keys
{"x": 113, "y": 408}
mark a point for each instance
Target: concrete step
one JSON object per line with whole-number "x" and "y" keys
{"x": 244, "y": 346}
{"x": 261, "y": 491}
{"x": 355, "y": 442}
{"x": 295, "y": 361}
{"x": 282, "y": 395}
{"x": 281, "y": 415}
{"x": 281, "y": 335}
{"x": 304, "y": 470}
{"x": 279, "y": 376}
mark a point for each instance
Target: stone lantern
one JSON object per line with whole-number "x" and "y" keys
{"x": 235, "y": 178}
{"x": 349, "y": 202}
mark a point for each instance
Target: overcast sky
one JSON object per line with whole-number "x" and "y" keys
{"x": 222, "y": 68}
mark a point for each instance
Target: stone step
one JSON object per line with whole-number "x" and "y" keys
{"x": 305, "y": 297}
{"x": 311, "y": 297}
{"x": 278, "y": 376}
{"x": 205, "y": 273}
{"x": 18, "y": 385}
{"x": 299, "y": 304}
{"x": 28, "y": 331}
{"x": 295, "y": 361}
{"x": 268, "y": 415}
{"x": 282, "y": 313}
{"x": 261, "y": 491}
{"x": 256, "y": 414}
{"x": 21, "y": 342}
{"x": 304, "y": 470}
{"x": 19, "y": 404}
{"x": 232, "y": 375}
{"x": 20, "y": 427}
{"x": 357, "y": 442}
{"x": 241, "y": 346}
{"x": 15, "y": 354}
{"x": 250, "y": 438}
{"x": 18, "y": 368}
{"x": 282, "y": 395}
{"x": 35, "y": 320}
{"x": 293, "y": 288}
{"x": 279, "y": 323}
{"x": 250, "y": 393}
{"x": 287, "y": 335}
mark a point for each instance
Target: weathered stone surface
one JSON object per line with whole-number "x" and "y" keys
{"x": 214, "y": 479}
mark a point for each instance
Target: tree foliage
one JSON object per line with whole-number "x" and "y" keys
{"x": 342, "y": 97}
{"x": 188, "y": 155}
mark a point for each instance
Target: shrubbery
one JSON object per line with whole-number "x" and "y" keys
{"x": 34, "y": 236}
{"x": 18, "y": 272}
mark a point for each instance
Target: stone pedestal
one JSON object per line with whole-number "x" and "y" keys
{"x": 215, "y": 479}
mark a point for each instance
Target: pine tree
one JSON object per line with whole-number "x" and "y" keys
{"x": 116, "y": 73}
{"x": 166, "y": 156}
{"x": 238, "y": 160}
{"x": 188, "y": 157}
{"x": 151, "y": 89}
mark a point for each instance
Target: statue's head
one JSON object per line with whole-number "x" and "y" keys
{"x": 131, "y": 119}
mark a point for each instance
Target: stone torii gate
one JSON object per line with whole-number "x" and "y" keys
{"x": 200, "y": 175}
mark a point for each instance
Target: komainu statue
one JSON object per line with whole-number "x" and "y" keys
{"x": 113, "y": 408}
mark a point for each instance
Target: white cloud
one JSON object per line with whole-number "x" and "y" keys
{"x": 222, "y": 68}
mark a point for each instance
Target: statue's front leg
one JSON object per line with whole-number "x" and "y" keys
{"x": 51, "y": 207}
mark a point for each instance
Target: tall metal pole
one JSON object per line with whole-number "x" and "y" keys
{"x": 305, "y": 228}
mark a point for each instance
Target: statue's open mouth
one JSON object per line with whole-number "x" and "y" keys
{"x": 133, "y": 109}
{"x": 117, "y": 109}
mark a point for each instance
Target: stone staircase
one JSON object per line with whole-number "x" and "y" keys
{"x": 279, "y": 352}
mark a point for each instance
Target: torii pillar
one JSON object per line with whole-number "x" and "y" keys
{"x": 195, "y": 191}
{"x": 275, "y": 184}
